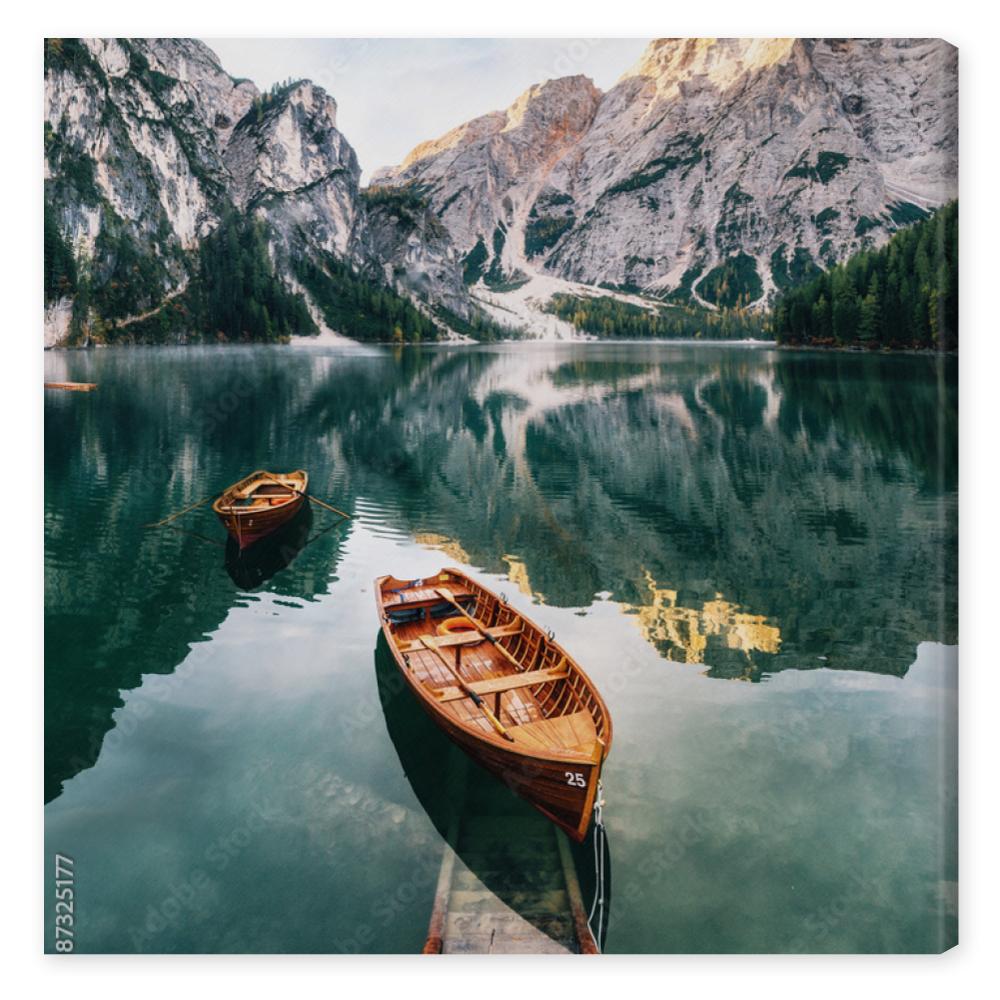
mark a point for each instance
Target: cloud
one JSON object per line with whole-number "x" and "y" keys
{"x": 393, "y": 93}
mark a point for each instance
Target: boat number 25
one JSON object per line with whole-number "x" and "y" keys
{"x": 576, "y": 779}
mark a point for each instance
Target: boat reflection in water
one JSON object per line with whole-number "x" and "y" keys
{"x": 253, "y": 566}
{"x": 510, "y": 880}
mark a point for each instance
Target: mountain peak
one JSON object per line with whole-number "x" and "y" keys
{"x": 720, "y": 61}
{"x": 558, "y": 95}
{"x": 462, "y": 135}
{"x": 313, "y": 99}
{"x": 566, "y": 103}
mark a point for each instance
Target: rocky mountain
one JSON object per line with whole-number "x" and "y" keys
{"x": 715, "y": 170}
{"x": 151, "y": 148}
{"x": 481, "y": 174}
{"x": 180, "y": 202}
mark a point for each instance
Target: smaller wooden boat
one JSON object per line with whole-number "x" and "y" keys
{"x": 260, "y": 504}
{"x": 252, "y": 567}
{"x": 502, "y": 689}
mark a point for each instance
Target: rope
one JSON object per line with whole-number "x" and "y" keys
{"x": 167, "y": 520}
{"x": 195, "y": 534}
{"x": 599, "y": 852}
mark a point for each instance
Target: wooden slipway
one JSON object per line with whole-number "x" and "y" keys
{"x": 506, "y": 881}
{"x": 533, "y": 906}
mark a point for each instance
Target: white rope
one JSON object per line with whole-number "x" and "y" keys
{"x": 598, "y": 904}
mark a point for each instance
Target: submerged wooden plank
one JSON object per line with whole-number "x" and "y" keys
{"x": 525, "y": 902}
{"x": 72, "y": 386}
{"x": 584, "y": 936}
{"x": 509, "y": 889}
{"x": 507, "y": 933}
{"x": 539, "y": 880}
{"x": 435, "y": 930}
{"x": 489, "y": 942}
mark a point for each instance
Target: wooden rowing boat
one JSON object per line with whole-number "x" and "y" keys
{"x": 502, "y": 689}
{"x": 261, "y": 503}
{"x": 512, "y": 885}
{"x": 252, "y": 567}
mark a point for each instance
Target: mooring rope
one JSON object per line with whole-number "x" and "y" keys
{"x": 599, "y": 887}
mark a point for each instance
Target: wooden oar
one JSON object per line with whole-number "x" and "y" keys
{"x": 308, "y": 496}
{"x": 327, "y": 506}
{"x": 494, "y": 721}
{"x": 479, "y": 625}
{"x": 167, "y": 520}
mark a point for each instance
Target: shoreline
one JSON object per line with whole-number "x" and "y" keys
{"x": 347, "y": 343}
{"x": 862, "y": 349}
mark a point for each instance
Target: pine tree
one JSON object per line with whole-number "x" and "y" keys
{"x": 821, "y": 318}
{"x": 905, "y": 294}
{"x": 59, "y": 262}
{"x": 870, "y": 323}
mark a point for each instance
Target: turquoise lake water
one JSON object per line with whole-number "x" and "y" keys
{"x": 751, "y": 552}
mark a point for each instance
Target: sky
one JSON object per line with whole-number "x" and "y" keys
{"x": 393, "y": 93}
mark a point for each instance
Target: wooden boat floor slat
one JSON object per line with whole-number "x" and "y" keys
{"x": 479, "y": 663}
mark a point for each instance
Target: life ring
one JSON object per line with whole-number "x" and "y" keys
{"x": 452, "y": 625}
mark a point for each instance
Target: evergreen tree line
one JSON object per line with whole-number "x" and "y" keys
{"x": 125, "y": 278}
{"x": 605, "y": 316}
{"x": 234, "y": 295}
{"x": 237, "y": 295}
{"x": 362, "y": 307}
{"x": 903, "y": 295}
{"x": 479, "y": 326}
{"x": 60, "y": 275}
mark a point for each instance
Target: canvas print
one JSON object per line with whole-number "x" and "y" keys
{"x": 500, "y": 495}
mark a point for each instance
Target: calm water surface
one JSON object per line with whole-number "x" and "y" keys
{"x": 751, "y": 552}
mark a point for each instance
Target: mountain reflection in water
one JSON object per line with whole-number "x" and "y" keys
{"x": 749, "y": 510}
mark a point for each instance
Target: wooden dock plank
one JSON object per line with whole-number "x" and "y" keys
{"x": 531, "y": 904}
{"x": 72, "y": 386}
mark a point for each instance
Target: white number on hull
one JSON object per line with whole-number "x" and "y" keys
{"x": 576, "y": 779}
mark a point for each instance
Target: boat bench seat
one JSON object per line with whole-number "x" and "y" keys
{"x": 465, "y": 638}
{"x": 420, "y": 598}
{"x": 508, "y": 682}
{"x": 568, "y": 732}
